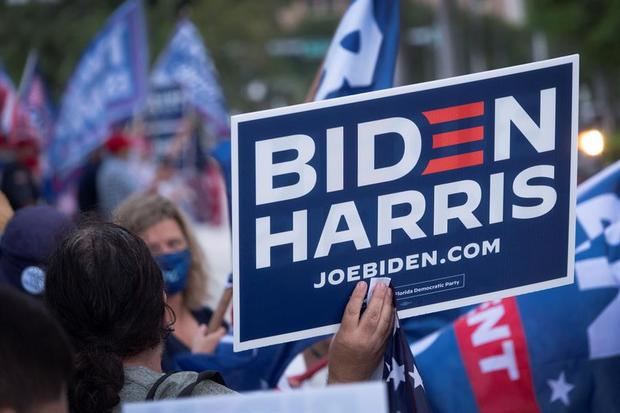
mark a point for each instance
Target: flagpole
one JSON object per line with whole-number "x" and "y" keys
{"x": 314, "y": 87}
{"x": 218, "y": 315}
{"x": 31, "y": 61}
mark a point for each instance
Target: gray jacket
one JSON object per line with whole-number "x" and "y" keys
{"x": 139, "y": 380}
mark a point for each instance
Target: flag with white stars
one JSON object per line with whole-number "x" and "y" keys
{"x": 553, "y": 351}
{"x": 405, "y": 386}
{"x": 362, "y": 54}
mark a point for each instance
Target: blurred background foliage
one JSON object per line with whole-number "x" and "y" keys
{"x": 267, "y": 52}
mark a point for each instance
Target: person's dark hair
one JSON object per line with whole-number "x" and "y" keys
{"x": 35, "y": 354}
{"x": 108, "y": 293}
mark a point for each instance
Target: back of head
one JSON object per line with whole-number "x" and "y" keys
{"x": 107, "y": 292}
{"x": 35, "y": 354}
{"x": 30, "y": 237}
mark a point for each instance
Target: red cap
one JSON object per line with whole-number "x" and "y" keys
{"x": 117, "y": 143}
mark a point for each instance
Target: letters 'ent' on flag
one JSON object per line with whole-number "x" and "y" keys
{"x": 36, "y": 100}
{"x": 553, "y": 351}
{"x": 108, "y": 85}
{"x": 187, "y": 63}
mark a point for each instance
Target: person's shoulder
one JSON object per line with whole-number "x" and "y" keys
{"x": 178, "y": 382}
{"x": 139, "y": 381}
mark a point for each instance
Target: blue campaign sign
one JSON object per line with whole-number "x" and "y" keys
{"x": 164, "y": 111}
{"x": 460, "y": 190}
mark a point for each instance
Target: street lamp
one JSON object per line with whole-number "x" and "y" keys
{"x": 592, "y": 142}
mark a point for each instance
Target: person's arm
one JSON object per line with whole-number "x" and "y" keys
{"x": 206, "y": 340}
{"x": 358, "y": 347}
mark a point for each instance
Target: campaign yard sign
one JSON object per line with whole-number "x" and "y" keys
{"x": 460, "y": 190}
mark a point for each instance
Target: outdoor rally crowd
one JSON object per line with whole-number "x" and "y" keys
{"x": 87, "y": 316}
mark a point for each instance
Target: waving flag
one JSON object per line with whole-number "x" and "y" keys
{"x": 36, "y": 100}
{"x": 15, "y": 121}
{"x": 362, "y": 55}
{"x": 405, "y": 386}
{"x": 108, "y": 85}
{"x": 8, "y": 100}
{"x": 552, "y": 351}
{"x": 187, "y": 63}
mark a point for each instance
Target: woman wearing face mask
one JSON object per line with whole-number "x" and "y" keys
{"x": 165, "y": 231}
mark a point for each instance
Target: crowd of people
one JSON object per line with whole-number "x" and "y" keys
{"x": 98, "y": 306}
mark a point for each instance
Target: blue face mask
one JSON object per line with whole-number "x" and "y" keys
{"x": 175, "y": 267}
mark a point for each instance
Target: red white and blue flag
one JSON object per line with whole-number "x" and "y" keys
{"x": 553, "y": 351}
{"x": 7, "y": 102}
{"x": 36, "y": 100}
{"x": 15, "y": 123}
{"x": 405, "y": 386}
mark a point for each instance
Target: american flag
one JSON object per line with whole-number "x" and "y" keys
{"x": 7, "y": 102}
{"x": 36, "y": 100}
{"x": 405, "y": 387}
{"x": 14, "y": 118}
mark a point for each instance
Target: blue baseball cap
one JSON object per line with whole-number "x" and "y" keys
{"x": 29, "y": 238}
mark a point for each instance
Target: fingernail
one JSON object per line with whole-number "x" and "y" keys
{"x": 358, "y": 286}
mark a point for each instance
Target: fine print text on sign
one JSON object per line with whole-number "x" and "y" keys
{"x": 460, "y": 190}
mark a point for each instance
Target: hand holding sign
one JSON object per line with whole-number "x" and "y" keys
{"x": 358, "y": 347}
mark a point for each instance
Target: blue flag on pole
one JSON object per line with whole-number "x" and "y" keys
{"x": 553, "y": 351}
{"x": 36, "y": 100}
{"x": 107, "y": 86}
{"x": 187, "y": 63}
{"x": 362, "y": 55}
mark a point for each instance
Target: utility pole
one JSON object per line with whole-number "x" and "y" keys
{"x": 445, "y": 50}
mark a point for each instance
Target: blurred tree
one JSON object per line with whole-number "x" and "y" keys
{"x": 592, "y": 29}
{"x": 235, "y": 33}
